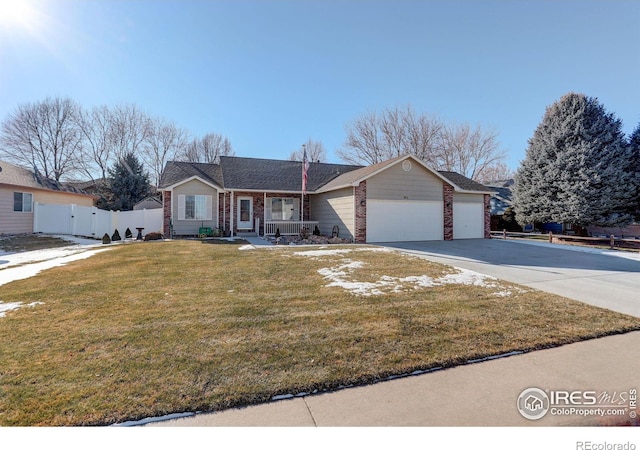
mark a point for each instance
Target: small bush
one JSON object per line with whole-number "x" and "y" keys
{"x": 128, "y": 234}
{"x": 154, "y": 236}
{"x": 106, "y": 239}
{"x": 116, "y": 236}
{"x": 316, "y": 231}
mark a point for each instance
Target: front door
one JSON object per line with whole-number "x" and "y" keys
{"x": 245, "y": 213}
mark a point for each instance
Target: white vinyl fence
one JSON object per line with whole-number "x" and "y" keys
{"x": 92, "y": 222}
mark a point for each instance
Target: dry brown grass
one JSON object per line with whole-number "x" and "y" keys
{"x": 148, "y": 329}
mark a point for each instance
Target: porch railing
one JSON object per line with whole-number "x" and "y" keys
{"x": 288, "y": 227}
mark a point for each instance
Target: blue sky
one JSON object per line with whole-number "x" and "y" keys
{"x": 271, "y": 74}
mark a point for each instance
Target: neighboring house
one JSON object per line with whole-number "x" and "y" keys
{"x": 151, "y": 202}
{"x": 501, "y": 202}
{"x": 20, "y": 189}
{"x": 397, "y": 200}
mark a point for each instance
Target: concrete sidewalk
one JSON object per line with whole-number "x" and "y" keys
{"x": 481, "y": 394}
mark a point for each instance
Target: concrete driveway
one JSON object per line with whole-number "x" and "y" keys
{"x": 608, "y": 279}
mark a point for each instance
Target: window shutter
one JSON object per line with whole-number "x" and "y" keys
{"x": 209, "y": 213}
{"x": 181, "y": 207}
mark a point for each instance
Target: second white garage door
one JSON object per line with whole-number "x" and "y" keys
{"x": 468, "y": 220}
{"x": 396, "y": 221}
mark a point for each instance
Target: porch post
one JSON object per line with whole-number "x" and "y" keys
{"x": 264, "y": 216}
{"x": 231, "y": 206}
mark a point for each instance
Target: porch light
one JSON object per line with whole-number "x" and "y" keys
{"x": 362, "y": 203}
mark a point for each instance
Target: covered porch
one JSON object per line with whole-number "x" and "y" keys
{"x": 266, "y": 213}
{"x": 289, "y": 227}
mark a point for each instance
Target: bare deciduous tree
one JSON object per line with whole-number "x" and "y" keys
{"x": 315, "y": 152}
{"x": 469, "y": 151}
{"x": 374, "y": 137}
{"x": 207, "y": 149}
{"x": 496, "y": 172}
{"x": 43, "y": 136}
{"x": 164, "y": 141}
{"x": 96, "y": 126}
{"x": 57, "y": 138}
{"x": 363, "y": 145}
{"x": 130, "y": 127}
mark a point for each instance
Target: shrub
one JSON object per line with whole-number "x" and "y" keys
{"x": 128, "y": 234}
{"x": 116, "y": 236}
{"x": 316, "y": 231}
{"x": 106, "y": 239}
{"x": 154, "y": 236}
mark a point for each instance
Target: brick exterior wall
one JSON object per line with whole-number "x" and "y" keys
{"x": 258, "y": 208}
{"x": 361, "y": 213}
{"x": 447, "y": 192}
{"x": 487, "y": 216}
{"x": 166, "y": 205}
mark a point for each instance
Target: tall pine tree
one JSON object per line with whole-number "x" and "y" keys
{"x": 634, "y": 147}
{"x": 577, "y": 167}
{"x": 129, "y": 183}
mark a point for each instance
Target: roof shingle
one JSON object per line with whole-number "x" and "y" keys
{"x": 18, "y": 176}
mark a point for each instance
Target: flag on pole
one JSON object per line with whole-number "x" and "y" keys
{"x": 305, "y": 168}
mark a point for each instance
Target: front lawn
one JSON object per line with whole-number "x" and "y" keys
{"x": 150, "y": 328}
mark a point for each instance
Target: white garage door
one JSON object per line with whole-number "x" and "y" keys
{"x": 468, "y": 220}
{"x": 396, "y": 221}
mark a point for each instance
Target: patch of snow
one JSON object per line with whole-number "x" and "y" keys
{"x": 376, "y": 249}
{"x": 16, "y": 259}
{"x": 316, "y": 253}
{"x": 419, "y": 281}
{"x": 468, "y": 278}
{"x": 52, "y": 259}
{"x": 342, "y": 276}
{"x": 502, "y": 293}
{"x": 79, "y": 240}
{"x": 5, "y": 307}
{"x": 246, "y": 247}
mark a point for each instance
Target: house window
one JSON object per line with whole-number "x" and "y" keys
{"x": 283, "y": 209}
{"x": 22, "y": 202}
{"x": 195, "y": 207}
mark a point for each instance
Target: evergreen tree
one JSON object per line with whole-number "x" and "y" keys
{"x": 577, "y": 167}
{"x": 129, "y": 183}
{"x": 634, "y": 148}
